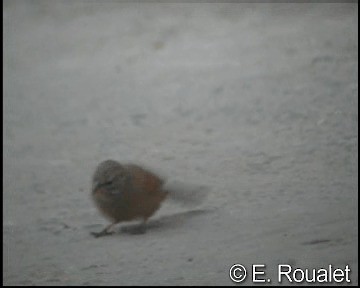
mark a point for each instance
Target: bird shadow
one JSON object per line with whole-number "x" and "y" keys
{"x": 163, "y": 222}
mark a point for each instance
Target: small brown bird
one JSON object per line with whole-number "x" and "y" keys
{"x": 126, "y": 192}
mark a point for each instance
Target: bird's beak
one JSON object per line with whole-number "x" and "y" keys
{"x": 96, "y": 186}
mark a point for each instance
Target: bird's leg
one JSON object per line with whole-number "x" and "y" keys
{"x": 106, "y": 231}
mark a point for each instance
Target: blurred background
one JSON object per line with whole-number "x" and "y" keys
{"x": 258, "y": 101}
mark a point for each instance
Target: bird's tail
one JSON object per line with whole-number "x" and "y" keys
{"x": 186, "y": 194}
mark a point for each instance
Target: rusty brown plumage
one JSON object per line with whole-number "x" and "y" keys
{"x": 126, "y": 192}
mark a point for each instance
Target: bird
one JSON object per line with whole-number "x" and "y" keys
{"x": 125, "y": 192}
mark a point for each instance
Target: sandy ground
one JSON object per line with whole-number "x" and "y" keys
{"x": 256, "y": 101}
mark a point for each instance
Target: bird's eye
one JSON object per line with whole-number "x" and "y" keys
{"x": 107, "y": 183}
{"x": 98, "y": 185}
